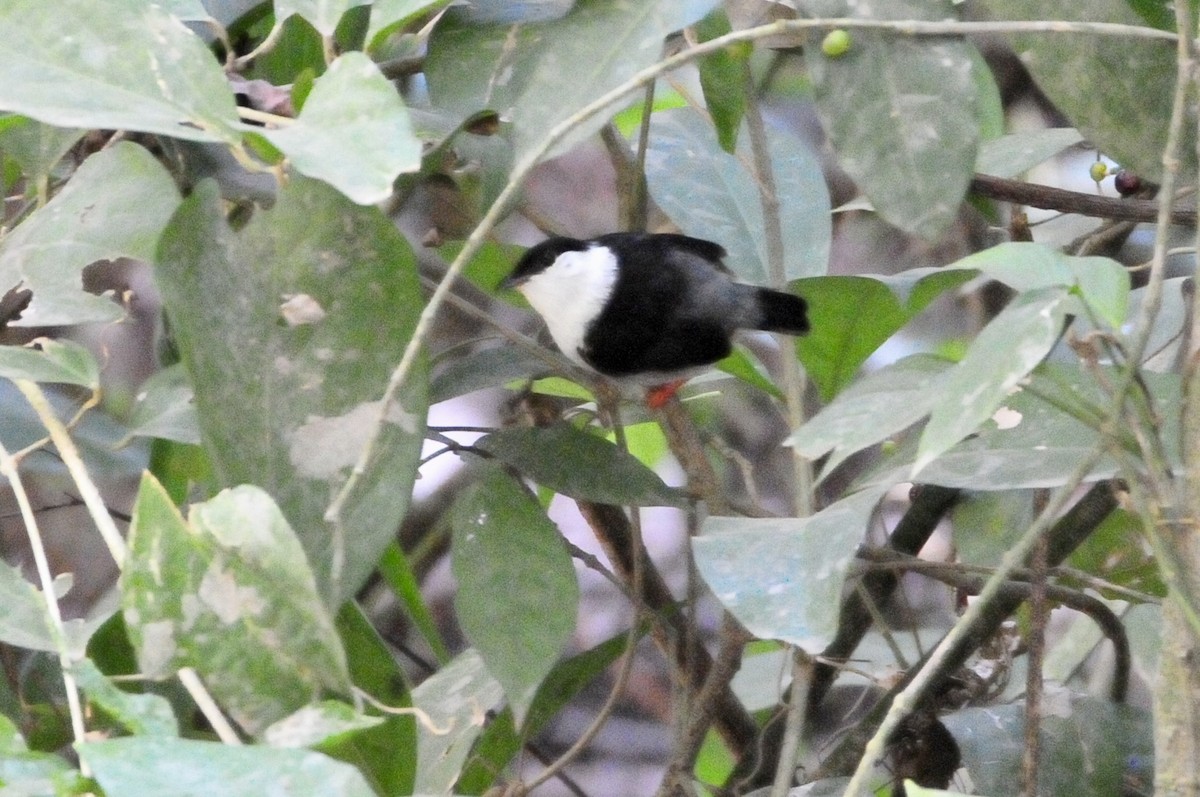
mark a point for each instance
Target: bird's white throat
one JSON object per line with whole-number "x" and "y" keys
{"x": 571, "y": 293}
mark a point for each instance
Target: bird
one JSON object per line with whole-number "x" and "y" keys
{"x": 649, "y": 308}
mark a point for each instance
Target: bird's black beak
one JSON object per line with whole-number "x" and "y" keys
{"x": 510, "y": 283}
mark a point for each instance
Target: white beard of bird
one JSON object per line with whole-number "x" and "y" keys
{"x": 570, "y": 294}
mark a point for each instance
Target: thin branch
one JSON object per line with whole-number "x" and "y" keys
{"x": 74, "y": 462}
{"x": 208, "y": 707}
{"x": 1038, "y": 616}
{"x": 1077, "y": 202}
{"x": 972, "y": 579}
{"x": 58, "y": 632}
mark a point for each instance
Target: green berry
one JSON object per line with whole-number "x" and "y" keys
{"x": 1098, "y": 171}
{"x": 836, "y": 44}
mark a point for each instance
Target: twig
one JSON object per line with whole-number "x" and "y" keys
{"x": 1038, "y": 617}
{"x": 71, "y": 458}
{"x": 1077, "y": 202}
{"x": 611, "y": 527}
{"x": 972, "y": 578}
{"x": 208, "y": 707}
{"x": 58, "y": 632}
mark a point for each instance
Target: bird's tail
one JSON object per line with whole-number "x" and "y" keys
{"x": 782, "y": 312}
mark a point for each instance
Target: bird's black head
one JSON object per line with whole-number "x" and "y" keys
{"x": 539, "y": 258}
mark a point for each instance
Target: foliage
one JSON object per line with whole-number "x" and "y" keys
{"x": 262, "y": 155}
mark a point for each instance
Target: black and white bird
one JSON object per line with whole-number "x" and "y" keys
{"x": 649, "y": 308}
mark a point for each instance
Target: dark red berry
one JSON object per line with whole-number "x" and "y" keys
{"x": 1127, "y": 183}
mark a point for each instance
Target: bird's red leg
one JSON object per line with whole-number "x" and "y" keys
{"x": 659, "y": 395}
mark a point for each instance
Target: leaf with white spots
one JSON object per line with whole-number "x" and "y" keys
{"x": 290, "y": 407}
{"x": 316, "y": 724}
{"x": 517, "y": 592}
{"x": 782, "y": 578}
{"x": 901, "y": 113}
{"x": 133, "y": 67}
{"x": 880, "y": 405}
{"x": 999, "y": 358}
{"x": 229, "y": 592}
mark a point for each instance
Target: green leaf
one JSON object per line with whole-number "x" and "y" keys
{"x": 849, "y": 318}
{"x": 571, "y": 61}
{"x": 490, "y": 265}
{"x": 388, "y": 15}
{"x": 874, "y": 408}
{"x": 57, "y": 361}
{"x": 1088, "y": 746}
{"x": 459, "y": 374}
{"x": 539, "y": 75}
{"x": 1016, "y": 153}
{"x": 1001, "y": 356}
{"x": 320, "y": 722}
{"x": 387, "y": 753}
{"x": 901, "y": 114}
{"x": 165, "y": 407}
{"x": 580, "y": 465}
{"x": 229, "y": 593}
{"x": 1032, "y": 443}
{"x": 35, "y": 774}
{"x": 1158, "y": 13}
{"x": 711, "y": 194}
{"x": 500, "y": 742}
{"x": 115, "y": 205}
{"x": 501, "y": 538}
{"x": 1113, "y": 551}
{"x": 395, "y": 570}
{"x": 722, "y": 77}
{"x": 456, "y": 699}
{"x": 288, "y": 405}
{"x": 782, "y": 578}
{"x": 141, "y": 766}
{"x": 142, "y": 715}
{"x": 323, "y": 15}
{"x": 353, "y": 133}
{"x": 1101, "y": 282}
{"x": 852, "y": 316}
{"x": 986, "y": 524}
{"x": 36, "y": 147}
{"x": 1095, "y": 80}
{"x": 739, "y": 365}
{"x": 134, "y": 67}
{"x": 24, "y": 621}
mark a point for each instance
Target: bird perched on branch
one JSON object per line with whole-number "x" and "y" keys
{"x": 649, "y": 308}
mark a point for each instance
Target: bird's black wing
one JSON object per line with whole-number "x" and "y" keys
{"x": 650, "y": 322}
{"x": 659, "y": 247}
